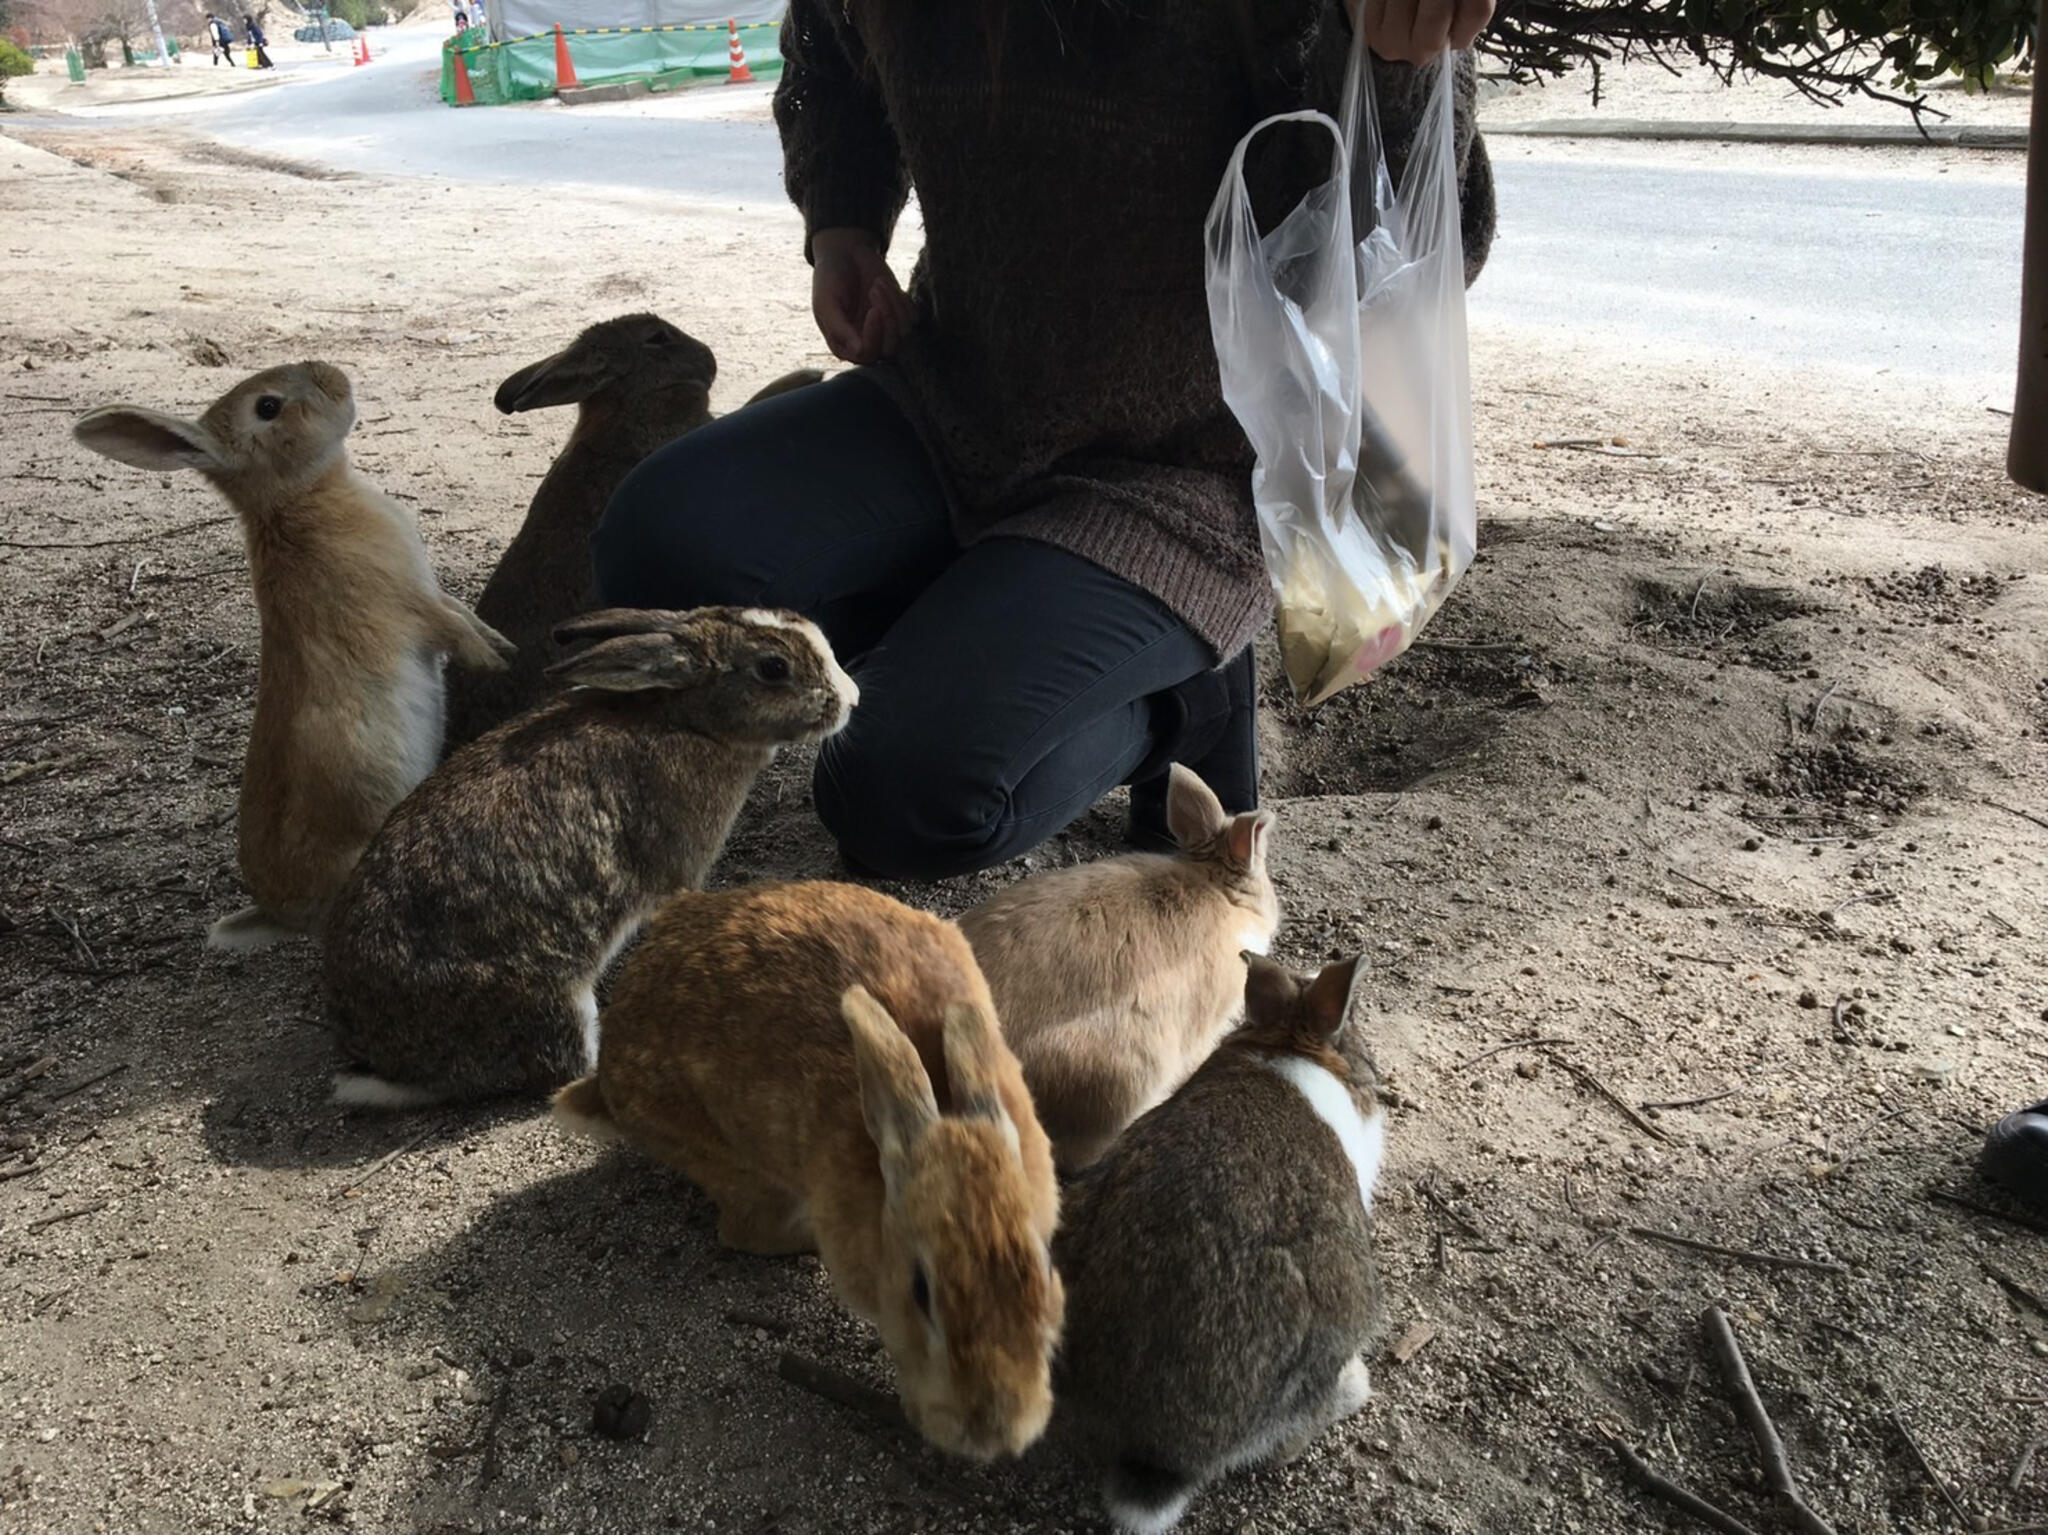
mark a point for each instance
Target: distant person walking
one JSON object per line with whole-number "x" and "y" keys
{"x": 257, "y": 42}
{"x": 222, "y": 39}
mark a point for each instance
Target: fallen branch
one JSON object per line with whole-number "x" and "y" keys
{"x": 878, "y": 1407}
{"x": 29, "y": 1073}
{"x": 1640, "y": 1473}
{"x": 111, "y": 543}
{"x": 80, "y": 1084}
{"x": 1690, "y": 1103}
{"x": 383, "y": 1162}
{"x": 2013, "y": 1287}
{"x": 1702, "y": 959}
{"x": 1740, "y": 1254}
{"x": 2033, "y": 1448}
{"x": 1962, "y": 1202}
{"x": 1919, "y": 1455}
{"x": 68, "y": 1215}
{"x": 1769, "y": 1446}
{"x": 2024, "y": 815}
{"x": 1466, "y": 645}
{"x": 1487, "y": 1055}
{"x": 1594, "y": 1084}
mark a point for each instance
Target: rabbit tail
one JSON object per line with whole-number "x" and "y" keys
{"x": 1145, "y": 1499}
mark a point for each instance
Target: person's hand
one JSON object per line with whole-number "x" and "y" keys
{"x": 861, "y": 310}
{"x": 1416, "y": 31}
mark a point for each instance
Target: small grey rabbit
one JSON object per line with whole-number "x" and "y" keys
{"x": 461, "y": 956}
{"x": 1218, "y": 1258}
{"x": 638, "y": 384}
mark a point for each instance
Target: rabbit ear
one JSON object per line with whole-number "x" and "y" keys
{"x": 630, "y": 663}
{"x": 971, "y": 1062}
{"x": 895, "y": 1094}
{"x": 1193, "y": 812}
{"x": 1333, "y": 997}
{"x": 1269, "y": 989}
{"x": 148, "y": 439}
{"x": 1245, "y": 837}
{"x": 569, "y": 377}
{"x": 607, "y": 623}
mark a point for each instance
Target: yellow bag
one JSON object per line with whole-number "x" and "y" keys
{"x": 252, "y": 58}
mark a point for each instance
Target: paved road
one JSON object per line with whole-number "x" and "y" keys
{"x": 1909, "y": 270}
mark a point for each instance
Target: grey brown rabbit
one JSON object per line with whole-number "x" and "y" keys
{"x": 462, "y": 955}
{"x": 354, "y": 631}
{"x": 1218, "y": 1259}
{"x": 638, "y": 383}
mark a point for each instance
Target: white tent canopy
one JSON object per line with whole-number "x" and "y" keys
{"x": 522, "y": 18}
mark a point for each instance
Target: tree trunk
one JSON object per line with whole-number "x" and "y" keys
{"x": 2026, "y": 458}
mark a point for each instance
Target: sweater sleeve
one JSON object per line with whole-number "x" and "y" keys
{"x": 1299, "y": 59}
{"x": 841, "y": 162}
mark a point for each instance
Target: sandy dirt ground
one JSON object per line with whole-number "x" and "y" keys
{"x": 1722, "y": 774}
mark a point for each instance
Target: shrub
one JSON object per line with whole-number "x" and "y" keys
{"x": 13, "y": 61}
{"x": 359, "y": 13}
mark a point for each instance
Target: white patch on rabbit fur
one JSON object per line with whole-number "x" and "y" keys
{"x": 358, "y": 1089}
{"x": 1255, "y": 940}
{"x": 764, "y": 618}
{"x": 416, "y": 691}
{"x": 847, "y": 689}
{"x": 244, "y": 931}
{"x": 1141, "y": 1520}
{"x": 1364, "y": 1140}
{"x": 585, "y": 1003}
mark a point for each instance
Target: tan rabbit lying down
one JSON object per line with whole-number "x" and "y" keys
{"x": 825, "y": 1064}
{"x": 1114, "y": 979}
{"x": 354, "y": 631}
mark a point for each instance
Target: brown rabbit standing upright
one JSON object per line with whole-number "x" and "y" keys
{"x": 1114, "y": 979}
{"x": 638, "y": 384}
{"x": 825, "y": 1063}
{"x": 354, "y": 631}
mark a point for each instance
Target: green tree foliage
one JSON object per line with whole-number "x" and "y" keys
{"x": 1889, "y": 49}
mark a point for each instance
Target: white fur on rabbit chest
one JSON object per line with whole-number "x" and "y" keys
{"x": 1364, "y": 1139}
{"x": 416, "y": 706}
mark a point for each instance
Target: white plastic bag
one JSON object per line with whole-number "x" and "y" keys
{"x": 1341, "y": 337}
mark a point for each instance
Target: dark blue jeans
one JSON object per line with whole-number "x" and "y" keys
{"x": 1004, "y": 688}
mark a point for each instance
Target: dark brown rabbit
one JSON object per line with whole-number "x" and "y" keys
{"x": 638, "y": 384}
{"x": 461, "y": 956}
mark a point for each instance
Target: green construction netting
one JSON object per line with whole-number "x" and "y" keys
{"x": 523, "y": 69}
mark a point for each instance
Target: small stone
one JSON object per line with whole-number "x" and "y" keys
{"x": 519, "y": 1357}
{"x": 621, "y": 1413}
{"x": 1434, "y": 823}
{"x": 1751, "y": 844}
{"x": 570, "y": 1454}
{"x": 1809, "y": 998}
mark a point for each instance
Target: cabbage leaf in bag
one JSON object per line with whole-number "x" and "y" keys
{"x": 1340, "y": 335}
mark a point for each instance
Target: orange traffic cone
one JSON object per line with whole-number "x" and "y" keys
{"x": 362, "y": 51}
{"x": 565, "y": 67}
{"x": 465, "y": 94}
{"x": 364, "y": 39}
{"x": 740, "y": 75}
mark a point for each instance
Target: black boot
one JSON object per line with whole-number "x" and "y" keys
{"x": 1210, "y": 725}
{"x": 2015, "y": 1154}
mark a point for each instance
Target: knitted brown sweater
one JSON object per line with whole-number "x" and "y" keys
{"x": 1061, "y": 370}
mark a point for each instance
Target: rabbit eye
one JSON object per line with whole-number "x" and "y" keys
{"x": 269, "y": 407}
{"x": 772, "y": 668}
{"x": 921, "y": 1292}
